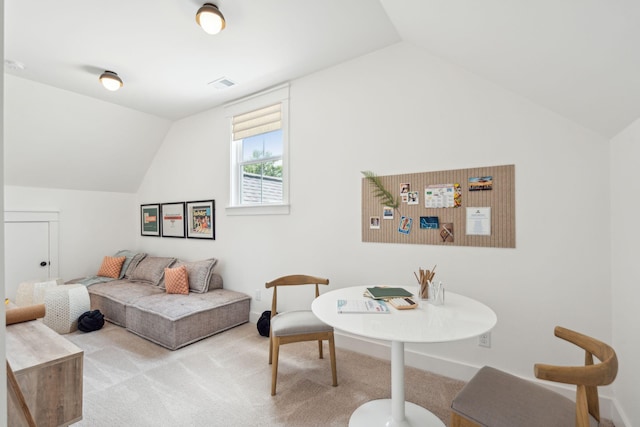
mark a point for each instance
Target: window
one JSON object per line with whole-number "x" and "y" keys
{"x": 260, "y": 163}
{"x": 259, "y": 154}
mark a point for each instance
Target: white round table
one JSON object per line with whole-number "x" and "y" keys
{"x": 458, "y": 318}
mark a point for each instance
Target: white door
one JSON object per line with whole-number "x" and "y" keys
{"x": 26, "y": 249}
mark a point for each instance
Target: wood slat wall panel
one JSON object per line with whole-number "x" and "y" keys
{"x": 501, "y": 200}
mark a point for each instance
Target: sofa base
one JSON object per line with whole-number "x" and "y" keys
{"x": 170, "y": 320}
{"x": 174, "y": 321}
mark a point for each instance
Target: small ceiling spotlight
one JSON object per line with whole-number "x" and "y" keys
{"x": 111, "y": 81}
{"x": 210, "y": 18}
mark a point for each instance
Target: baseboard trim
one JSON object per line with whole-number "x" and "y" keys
{"x": 618, "y": 416}
{"x": 253, "y": 317}
{"x": 381, "y": 350}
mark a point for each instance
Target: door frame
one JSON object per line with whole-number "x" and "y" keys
{"x": 52, "y": 218}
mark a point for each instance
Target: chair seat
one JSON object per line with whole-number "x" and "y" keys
{"x": 297, "y": 322}
{"x": 497, "y": 399}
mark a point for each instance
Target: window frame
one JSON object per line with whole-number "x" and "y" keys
{"x": 279, "y": 94}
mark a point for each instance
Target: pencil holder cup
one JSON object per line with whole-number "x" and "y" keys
{"x": 423, "y": 291}
{"x": 436, "y": 294}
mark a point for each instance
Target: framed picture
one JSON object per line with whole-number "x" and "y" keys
{"x": 173, "y": 220}
{"x": 201, "y": 219}
{"x": 150, "y": 220}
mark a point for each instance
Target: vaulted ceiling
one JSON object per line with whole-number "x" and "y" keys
{"x": 167, "y": 61}
{"x": 578, "y": 58}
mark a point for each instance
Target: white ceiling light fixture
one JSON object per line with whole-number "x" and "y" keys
{"x": 111, "y": 81}
{"x": 210, "y": 18}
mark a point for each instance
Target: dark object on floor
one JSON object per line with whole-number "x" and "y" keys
{"x": 498, "y": 399}
{"x": 90, "y": 321}
{"x": 264, "y": 323}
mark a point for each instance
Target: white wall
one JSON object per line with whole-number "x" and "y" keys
{"x": 189, "y": 167}
{"x": 400, "y": 110}
{"x": 92, "y": 224}
{"x": 625, "y": 152}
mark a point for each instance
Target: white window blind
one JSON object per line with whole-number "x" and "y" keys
{"x": 259, "y": 121}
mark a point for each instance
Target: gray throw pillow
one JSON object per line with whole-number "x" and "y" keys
{"x": 151, "y": 269}
{"x": 130, "y": 256}
{"x": 200, "y": 274}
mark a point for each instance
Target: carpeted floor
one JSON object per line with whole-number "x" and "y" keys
{"x": 225, "y": 380}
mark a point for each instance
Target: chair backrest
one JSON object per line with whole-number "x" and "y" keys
{"x": 293, "y": 280}
{"x": 587, "y": 378}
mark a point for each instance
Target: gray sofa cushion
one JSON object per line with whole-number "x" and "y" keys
{"x": 151, "y": 269}
{"x": 113, "y": 297}
{"x": 131, "y": 257}
{"x": 215, "y": 282}
{"x": 200, "y": 274}
{"x": 174, "y": 320}
{"x": 134, "y": 263}
{"x": 90, "y": 280}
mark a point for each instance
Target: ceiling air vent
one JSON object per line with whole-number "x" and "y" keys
{"x": 222, "y": 83}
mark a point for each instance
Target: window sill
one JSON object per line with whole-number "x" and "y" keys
{"x": 257, "y": 210}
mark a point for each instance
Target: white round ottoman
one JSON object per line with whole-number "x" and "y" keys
{"x": 64, "y": 304}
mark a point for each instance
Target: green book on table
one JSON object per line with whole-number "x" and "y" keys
{"x": 385, "y": 292}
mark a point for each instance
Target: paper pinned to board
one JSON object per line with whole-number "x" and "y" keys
{"x": 478, "y": 221}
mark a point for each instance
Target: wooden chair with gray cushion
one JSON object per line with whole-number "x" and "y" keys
{"x": 296, "y": 326}
{"x": 496, "y": 399}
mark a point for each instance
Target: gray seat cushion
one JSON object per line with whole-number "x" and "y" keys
{"x": 113, "y": 297}
{"x": 297, "y": 322}
{"x": 497, "y": 399}
{"x": 174, "y": 320}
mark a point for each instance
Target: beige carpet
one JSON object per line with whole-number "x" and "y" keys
{"x": 225, "y": 380}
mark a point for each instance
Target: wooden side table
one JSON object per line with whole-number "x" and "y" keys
{"x": 48, "y": 368}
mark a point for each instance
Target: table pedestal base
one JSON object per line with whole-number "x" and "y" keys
{"x": 378, "y": 413}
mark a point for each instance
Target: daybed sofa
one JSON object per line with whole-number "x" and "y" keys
{"x": 136, "y": 299}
